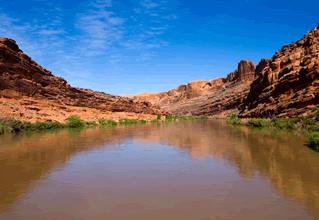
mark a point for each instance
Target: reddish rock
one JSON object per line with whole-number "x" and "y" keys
{"x": 21, "y": 76}
{"x": 288, "y": 83}
{"x": 207, "y": 97}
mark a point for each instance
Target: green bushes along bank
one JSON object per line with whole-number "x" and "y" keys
{"x": 308, "y": 124}
{"x": 11, "y": 125}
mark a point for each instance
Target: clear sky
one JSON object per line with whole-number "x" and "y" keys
{"x": 130, "y": 46}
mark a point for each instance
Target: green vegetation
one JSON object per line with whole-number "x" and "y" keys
{"x": 2, "y": 129}
{"x": 308, "y": 124}
{"x": 11, "y": 125}
{"x": 233, "y": 119}
{"x": 313, "y": 140}
{"x": 107, "y": 122}
{"x": 284, "y": 123}
{"x": 48, "y": 125}
{"x": 75, "y": 121}
{"x": 90, "y": 123}
{"x": 259, "y": 122}
{"x": 171, "y": 118}
{"x": 126, "y": 121}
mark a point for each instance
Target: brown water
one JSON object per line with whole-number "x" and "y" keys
{"x": 201, "y": 170}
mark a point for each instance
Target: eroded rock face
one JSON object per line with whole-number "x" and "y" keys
{"x": 287, "y": 84}
{"x": 207, "y": 97}
{"x": 20, "y": 77}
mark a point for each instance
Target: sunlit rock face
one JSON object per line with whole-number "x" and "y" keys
{"x": 287, "y": 84}
{"x": 207, "y": 97}
{"x": 23, "y": 79}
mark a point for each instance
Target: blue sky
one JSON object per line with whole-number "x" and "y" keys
{"x": 130, "y": 46}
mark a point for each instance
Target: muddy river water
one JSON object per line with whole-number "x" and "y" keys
{"x": 201, "y": 170}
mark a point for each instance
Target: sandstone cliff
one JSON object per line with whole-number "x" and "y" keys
{"x": 287, "y": 84}
{"x": 207, "y": 97}
{"x": 29, "y": 91}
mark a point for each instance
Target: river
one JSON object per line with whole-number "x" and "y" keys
{"x": 200, "y": 170}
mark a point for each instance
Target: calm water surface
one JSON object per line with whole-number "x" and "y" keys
{"x": 201, "y": 170}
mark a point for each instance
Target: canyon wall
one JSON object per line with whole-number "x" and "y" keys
{"x": 216, "y": 97}
{"x": 29, "y": 91}
{"x": 287, "y": 85}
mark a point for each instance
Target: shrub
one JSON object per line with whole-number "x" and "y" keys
{"x": 48, "y": 125}
{"x": 14, "y": 126}
{"x": 91, "y": 123}
{"x": 75, "y": 121}
{"x": 313, "y": 127}
{"x": 233, "y": 119}
{"x": 169, "y": 118}
{"x": 313, "y": 140}
{"x": 159, "y": 117}
{"x": 259, "y": 122}
{"x": 317, "y": 115}
{"x": 107, "y": 122}
{"x": 283, "y": 123}
{"x": 126, "y": 121}
{"x": 2, "y": 129}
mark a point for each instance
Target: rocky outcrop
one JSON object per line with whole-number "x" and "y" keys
{"x": 207, "y": 97}
{"x": 21, "y": 77}
{"x": 287, "y": 85}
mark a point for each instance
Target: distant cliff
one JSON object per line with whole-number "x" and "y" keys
{"x": 23, "y": 79}
{"x": 207, "y": 97}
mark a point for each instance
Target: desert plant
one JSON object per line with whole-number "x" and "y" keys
{"x": 283, "y": 123}
{"x": 169, "y": 118}
{"x": 233, "y": 119}
{"x": 2, "y": 129}
{"x": 126, "y": 121}
{"x": 313, "y": 140}
{"x": 48, "y": 125}
{"x": 75, "y": 121}
{"x": 259, "y": 122}
{"x": 91, "y": 123}
{"x": 107, "y": 122}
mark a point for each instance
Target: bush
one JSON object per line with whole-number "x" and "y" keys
{"x": 159, "y": 117}
{"x": 233, "y": 119}
{"x": 283, "y": 123}
{"x": 313, "y": 127}
{"x": 317, "y": 115}
{"x": 75, "y": 121}
{"x": 169, "y": 118}
{"x": 14, "y": 126}
{"x": 107, "y": 122}
{"x": 259, "y": 122}
{"x": 313, "y": 140}
{"x": 91, "y": 123}
{"x": 48, "y": 125}
{"x": 126, "y": 121}
{"x": 2, "y": 129}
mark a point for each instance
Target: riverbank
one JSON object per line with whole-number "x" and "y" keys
{"x": 12, "y": 125}
{"x": 309, "y": 125}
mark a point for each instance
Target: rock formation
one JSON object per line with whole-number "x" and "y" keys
{"x": 24, "y": 83}
{"x": 287, "y": 84}
{"x": 207, "y": 97}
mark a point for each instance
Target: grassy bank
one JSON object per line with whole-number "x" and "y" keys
{"x": 308, "y": 124}
{"x": 11, "y": 125}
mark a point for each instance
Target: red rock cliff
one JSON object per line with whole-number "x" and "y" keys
{"x": 207, "y": 97}
{"x": 21, "y": 77}
{"x": 288, "y": 83}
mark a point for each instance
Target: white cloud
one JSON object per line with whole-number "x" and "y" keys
{"x": 99, "y": 26}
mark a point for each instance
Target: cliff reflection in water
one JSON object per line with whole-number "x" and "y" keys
{"x": 291, "y": 168}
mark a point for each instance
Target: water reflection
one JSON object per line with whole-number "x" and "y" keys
{"x": 281, "y": 157}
